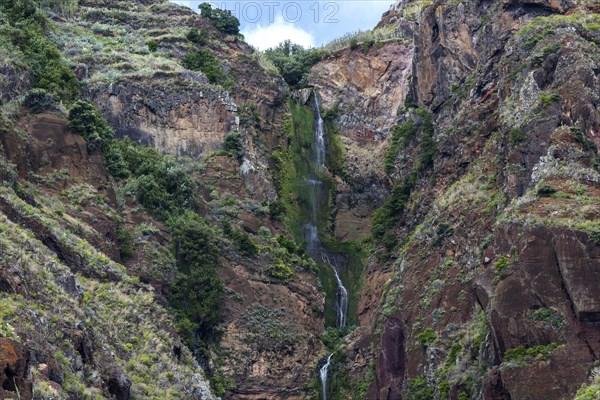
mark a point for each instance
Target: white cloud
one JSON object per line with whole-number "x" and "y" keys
{"x": 264, "y": 37}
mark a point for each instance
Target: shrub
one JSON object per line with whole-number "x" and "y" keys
{"x": 232, "y": 144}
{"x": 196, "y": 36}
{"x": 385, "y": 217}
{"x": 197, "y": 294}
{"x": 242, "y": 241}
{"x": 516, "y": 136}
{"x": 546, "y": 191}
{"x": 27, "y": 29}
{"x": 595, "y": 237}
{"x": 522, "y": 354}
{"x": 87, "y": 122}
{"x": 202, "y": 60}
{"x": 223, "y": 20}
{"x": 125, "y": 242}
{"x": 281, "y": 271}
{"x": 152, "y": 46}
{"x": 501, "y": 268}
{"x": 548, "y": 98}
{"x": 276, "y": 210}
{"x": 293, "y": 62}
{"x": 548, "y": 315}
{"x": 418, "y": 389}
{"x": 40, "y": 100}
{"x": 427, "y": 337}
{"x": 443, "y": 231}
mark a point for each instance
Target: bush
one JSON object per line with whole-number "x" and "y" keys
{"x": 152, "y": 46}
{"x": 232, "y": 144}
{"x": 163, "y": 186}
{"x": 40, "y": 100}
{"x": 546, "y": 191}
{"x": 294, "y": 62}
{"x": 197, "y": 294}
{"x": 242, "y": 241}
{"x": 87, "y": 122}
{"x": 418, "y": 389}
{"x": 27, "y": 29}
{"x": 522, "y": 354}
{"x": 202, "y": 60}
{"x": 402, "y": 134}
{"x": 196, "y": 36}
{"x": 125, "y": 239}
{"x": 516, "y": 136}
{"x": 222, "y": 20}
{"x": 501, "y": 268}
{"x": 427, "y": 337}
{"x": 385, "y": 217}
{"x": 443, "y": 231}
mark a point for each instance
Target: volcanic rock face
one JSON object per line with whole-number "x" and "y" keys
{"x": 485, "y": 287}
{"x": 493, "y": 290}
{"x": 355, "y": 87}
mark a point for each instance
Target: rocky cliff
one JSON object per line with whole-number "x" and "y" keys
{"x": 485, "y": 284}
{"x": 89, "y": 265}
{"x": 148, "y": 202}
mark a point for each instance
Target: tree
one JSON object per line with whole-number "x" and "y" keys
{"x": 197, "y": 294}
{"x": 223, "y": 20}
{"x": 293, "y": 62}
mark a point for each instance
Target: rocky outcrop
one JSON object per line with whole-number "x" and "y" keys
{"x": 495, "y": 240}
{"x": 171, "y": 115}
{"x": 354, "y": 92}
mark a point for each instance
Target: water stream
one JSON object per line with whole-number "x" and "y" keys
{"x": 317, "y": 190}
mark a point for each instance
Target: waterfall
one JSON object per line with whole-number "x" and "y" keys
{"x": 319, "y": 136}
{"x": 342, "y": 294}
{"x": 323, "y": 375}
{"x": 316, "y": 189}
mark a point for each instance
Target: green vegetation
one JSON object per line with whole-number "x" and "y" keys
{"x": 242, "y": 241}
{"x": 549, "y": 315}
{"x": 501, "y": 268}
{"x": 548, "y": 98}
{"x": 24, "y": 31}
{"x": 232, "y": 144}
{"x": 40, "y": 100}
{"x": 86, "y": 121}
{"x": 367, "y": 38}
{"x": 589, "y": 392}
{"x": 125, "y": 238}
{"x": 516, "y": 136}
{"x": 546, "y": 191}
{"x": 336, "y": 153}
{"x": 223, "y": 20}
{"x": 385, "y": 218}
{"x": 196, "y": 36}
{"x": 161, "y": 184}
{"x": 294, "y": 62}
{"x": 521, "y": 354}
{"x": 443, "y": 231}
{"x": 203, "y": 60}
{"x": 402, "y": 135}
{"x": 586, "y": 143}
{"x": 197, "y": 294}
{"x": 427, "y": 337}
{"x": 419, "y": 389}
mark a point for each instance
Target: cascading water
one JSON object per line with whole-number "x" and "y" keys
{"x": 317, "y": 190}
{"x": 323, "y": 375}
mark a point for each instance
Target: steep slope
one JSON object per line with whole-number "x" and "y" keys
{"x": 112, "y": 296}
{"x": 484, "y": 283}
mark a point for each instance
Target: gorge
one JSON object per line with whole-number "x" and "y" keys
{"x": 408, "y": 213}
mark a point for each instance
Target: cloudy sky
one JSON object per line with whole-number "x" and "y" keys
{"x": 310, "y": 23}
